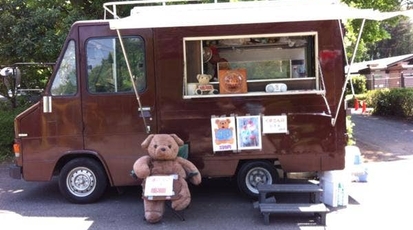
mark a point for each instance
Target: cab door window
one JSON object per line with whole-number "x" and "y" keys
{"x": 107, "y": 68}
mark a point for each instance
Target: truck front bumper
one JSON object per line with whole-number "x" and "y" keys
{"x": 15, "y": 171}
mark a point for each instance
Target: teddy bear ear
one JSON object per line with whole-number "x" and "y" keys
{"x": 147, "y": 141}
{"x": 198, "y": 76}
{"x": 209, "y": 76}
{"x": 178, "y": 140}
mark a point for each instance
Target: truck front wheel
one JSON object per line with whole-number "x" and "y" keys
{"x": 82, "y": 181}
{"x": 255, "y": 172}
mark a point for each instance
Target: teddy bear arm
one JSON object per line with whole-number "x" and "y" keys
{"x": 191, "y": 170}
{"x": 187, "y": 165}
{"x": 141, "y": 167}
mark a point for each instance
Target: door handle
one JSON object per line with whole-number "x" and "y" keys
{"x": 144, "y": 109}
{"x": 144, "y": 112}
{"x": 47, "y": 104}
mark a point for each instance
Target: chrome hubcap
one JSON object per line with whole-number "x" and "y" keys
{"x": 81, "y": 181}
{"x": 256, "y": 176}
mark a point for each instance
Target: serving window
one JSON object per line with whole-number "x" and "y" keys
{"x": 264, "y": 64}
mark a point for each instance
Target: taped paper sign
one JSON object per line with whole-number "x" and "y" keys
{"x": 274, "y": 124}
{"x": 159, "y": 186}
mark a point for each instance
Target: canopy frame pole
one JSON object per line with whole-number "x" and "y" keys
{"x": 343, "y": 90}
{"x": 132, "y": 78}
{"x": 323, "y": 86}
{"x": 345, "y": 57}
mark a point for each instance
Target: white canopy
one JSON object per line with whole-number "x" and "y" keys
{"x": 241, "y": 13}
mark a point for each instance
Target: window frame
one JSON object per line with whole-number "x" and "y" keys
{"x": 318, "y": 89}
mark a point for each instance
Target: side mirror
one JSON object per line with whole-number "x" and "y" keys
{"x": 11, "y": 74}
{"x": 5, "y": 72}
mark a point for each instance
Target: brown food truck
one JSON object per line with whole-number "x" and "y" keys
{"x": 249, "y": 86}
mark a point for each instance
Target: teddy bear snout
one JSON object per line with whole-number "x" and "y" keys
{"x": 164, "y": 153}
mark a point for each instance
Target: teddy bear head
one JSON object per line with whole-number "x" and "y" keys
{"x": 162, "y": 146}
{"x": 203, "y": 79}
{"x": 223, "y": 123}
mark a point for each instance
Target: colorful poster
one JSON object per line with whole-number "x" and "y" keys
{"x": 223, "y": 134}
{"x": 249, "y": 132}
{"x": 274, "y": 124}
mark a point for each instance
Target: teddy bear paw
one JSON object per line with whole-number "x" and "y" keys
{"x": 153, "y": 217}
{"x": 181, "y": 204}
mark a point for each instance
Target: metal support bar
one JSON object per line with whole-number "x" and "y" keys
{"x": 323, "y": 86}
{"x": 147, "y": 128}
{"x": 114, "y": 5}
{"x": 343, "y": 90}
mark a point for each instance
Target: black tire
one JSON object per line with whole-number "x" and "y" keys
{"x": 82, "y": 181}
{"x": 254, "y": 172}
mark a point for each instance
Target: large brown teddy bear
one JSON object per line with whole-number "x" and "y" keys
{"x": 163, "y": 159}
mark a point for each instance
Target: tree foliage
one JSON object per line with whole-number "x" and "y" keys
{"x": 34, "y": 31}
{"x": 31, "y": 31}
{"x": 399, "y": 43}
{"x": 374, "y": 31}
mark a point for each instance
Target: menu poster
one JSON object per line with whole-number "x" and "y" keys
{"x": 274, "y": 124}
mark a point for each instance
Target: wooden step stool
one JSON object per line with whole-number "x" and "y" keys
{"x": 314, "y": 206}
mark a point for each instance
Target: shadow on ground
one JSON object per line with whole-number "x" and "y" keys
{"x": 374, "y": 154}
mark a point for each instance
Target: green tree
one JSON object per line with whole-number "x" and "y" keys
{"x": 398, "y": 44}
{"x": 374, "y": 31}
{"x": 34, "y": 31}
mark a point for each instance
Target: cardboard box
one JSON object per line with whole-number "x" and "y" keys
{"x": 335, "y": 186}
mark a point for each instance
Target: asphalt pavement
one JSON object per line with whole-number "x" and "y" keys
{"x": 384, "y": 201}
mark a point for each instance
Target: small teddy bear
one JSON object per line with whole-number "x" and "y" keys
{"x": 163, "y": 160}
{"x": 203, "y": 86}
{"x": 203, "y": 79}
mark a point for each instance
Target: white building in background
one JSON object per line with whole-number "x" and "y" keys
{"x": 392, "y": 72}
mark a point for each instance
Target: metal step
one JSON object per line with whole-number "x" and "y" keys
{"x": 265, "y": 189}
{"x": 319, "y": 209}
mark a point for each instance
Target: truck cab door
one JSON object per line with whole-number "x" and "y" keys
{"x": 55, "y": 127}
{"x": 114, "y": 124}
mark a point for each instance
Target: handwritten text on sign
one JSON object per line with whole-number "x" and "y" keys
{"x": 159, "y": 186}
{"x": 274, "y": 124}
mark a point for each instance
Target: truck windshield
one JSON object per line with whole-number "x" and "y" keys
{"x": 65, "y": 82}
